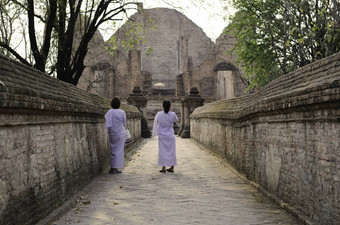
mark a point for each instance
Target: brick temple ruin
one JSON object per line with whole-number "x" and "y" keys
{"x": 284, "y": 138}
{"x": 183, "y": 57}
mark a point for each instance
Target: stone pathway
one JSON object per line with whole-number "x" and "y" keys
{"x": 201, "y": 191}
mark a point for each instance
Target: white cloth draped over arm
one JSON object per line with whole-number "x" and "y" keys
{"x": 155, "y": 126}
{"x": 175, "y": 117}
{"x": 108, "y": 119}
{"x": 113, "y": 115}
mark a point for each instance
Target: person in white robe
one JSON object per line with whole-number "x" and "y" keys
{"x": 163, "y": 127}
{"x": 115, "y": 122}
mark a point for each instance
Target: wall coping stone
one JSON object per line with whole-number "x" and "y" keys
{"x": 24, "y": 89}
{"x": 315, "y": 84}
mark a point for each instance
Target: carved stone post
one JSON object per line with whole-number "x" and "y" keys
{"x": 182, "y": 118}
{"x": 189, "y": 103}
{"x": 137, "y": 99}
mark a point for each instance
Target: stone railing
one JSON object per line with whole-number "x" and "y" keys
{"x": 52, "y": 141}
{"x": 286, "y": 138}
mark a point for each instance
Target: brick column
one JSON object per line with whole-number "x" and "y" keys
{"x": 137, "y": 99}
{"x": 189, "y": 103}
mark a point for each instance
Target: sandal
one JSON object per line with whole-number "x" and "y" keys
{"x": 170, "y": 170}
{"x": 112, "y": 171}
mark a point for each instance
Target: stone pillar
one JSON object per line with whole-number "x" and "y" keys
{"x": 137, "y": 99}
{"x": 147, "y": 83}
{"x": 134, "y": 69}
{"x": 189, "y": 103}
{"x": 182, "y": 118}
{"x": 179, "y": 85}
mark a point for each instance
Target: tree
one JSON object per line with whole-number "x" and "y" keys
{"x": 275, "y": 37}
{"x": 10, "y": 12}
{"x": 61, "y": 20}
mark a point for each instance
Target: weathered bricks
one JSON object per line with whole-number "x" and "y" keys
{"x": 286, "y": 137}
{"x": 52, "y": 141}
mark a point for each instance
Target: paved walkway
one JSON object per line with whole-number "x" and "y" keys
{"x": 201, "y": 191}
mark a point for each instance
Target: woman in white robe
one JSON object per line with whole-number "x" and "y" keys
{"x": 115, "y": 122}
{"x": 163, "y": 127}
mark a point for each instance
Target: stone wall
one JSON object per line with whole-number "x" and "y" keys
{"x": 182, "y": 57}
{"x": 155, "y": 104}
{"x": 173, "y": 39}
{"x": 99, "y": 74}
{"x": 52, "y": 141}
{"x": 217, "y": 77}
{"x": 285, "y": 137}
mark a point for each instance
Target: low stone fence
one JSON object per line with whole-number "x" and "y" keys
{"x": 52, "y": 141}
{"x": 286, "y": 138}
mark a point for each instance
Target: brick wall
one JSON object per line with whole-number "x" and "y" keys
{"x": 286, "y": 137}
{"x": 155, "y": 104}
{"x": 52, "y": 141}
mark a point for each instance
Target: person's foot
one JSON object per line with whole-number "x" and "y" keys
{"x": 114, "y": 171}
{"x": 163, "y": 169}
{"x": 171, "y": 170}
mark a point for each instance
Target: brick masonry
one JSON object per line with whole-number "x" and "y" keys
{"x": 182, "y": 53}
{"x": 286, "y": 137}
{"x": 52, "y": 141}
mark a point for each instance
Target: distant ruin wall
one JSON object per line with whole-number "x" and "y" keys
{"x": 286, "y": 137}
{"x": 155, "y": 104}
{"x": 173, "y": 38}
{"x": 52, "y": 141}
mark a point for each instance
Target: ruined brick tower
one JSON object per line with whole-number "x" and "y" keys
{"x": 182, "y": 57}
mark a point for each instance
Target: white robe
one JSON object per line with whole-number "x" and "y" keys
{"x": 115, "y": 121}
{"x": 163, "y": 127}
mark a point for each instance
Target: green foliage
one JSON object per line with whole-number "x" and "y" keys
{"x": 112, "y": 45}
{"x": 149, "y": 50}
{"x": 134, "y": 35}
{"x": 275, "y": 37}
{"x": 57, "y": 33}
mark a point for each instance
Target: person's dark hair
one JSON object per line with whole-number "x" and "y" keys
{"x": 115, "y": 103}
{"x": 166, "y": 105}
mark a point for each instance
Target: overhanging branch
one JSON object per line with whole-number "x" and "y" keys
{"x": 13, "y": 52}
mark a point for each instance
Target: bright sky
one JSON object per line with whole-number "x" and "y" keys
{"x": 210, "y": 15}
